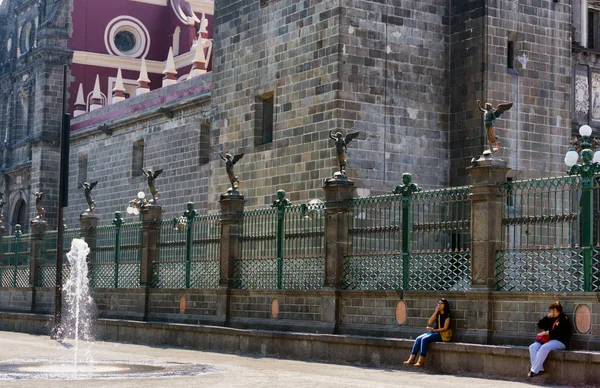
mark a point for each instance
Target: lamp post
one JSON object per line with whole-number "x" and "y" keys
{"x": 587, "y": 169}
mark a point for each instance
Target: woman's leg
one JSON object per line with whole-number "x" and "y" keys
{"x": 417, "y": 344}
{"x": 533, "y": 350}
{"x": 538, "y": 363}
{"x": 430, "y": 337}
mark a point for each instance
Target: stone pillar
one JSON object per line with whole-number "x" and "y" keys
{"x": 232, "y": 206}
{"x": 486, "y": 234}
{"x": 38, "y": 227}
{"x": 151, "y": 217}
{"x": 87, "y": 227}
{"x": 338, "y": 191}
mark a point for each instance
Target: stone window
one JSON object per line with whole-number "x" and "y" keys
{"x": 265, "y": 118}
{"x": 82, "y": 171}
{"x": 510, "y": 55}
{"x": 137, "y": 159}
{"x": 265, "y": 3}
{"x": 592, "y": 30}
{"x": 204, "y": 143}
{"x": 27, "y": 39}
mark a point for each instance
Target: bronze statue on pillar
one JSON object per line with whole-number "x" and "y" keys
{"x": 489, "y": 121}
{"x": 41, "y": 213}
{"x": 341, "y": 146}
{"x": 87, "y": 191}
{"x": 229, "y": 163}
{"x": 151, "y": 179}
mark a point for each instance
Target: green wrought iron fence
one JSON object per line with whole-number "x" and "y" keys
{"x": 206, "y": 244}
{"x": 540, "y": 246}
{"x": 46, "y": 270}
{"x": 16, "y": 252}
{"x": 417, "y": 241}
{"x": 304, "y": 247}
{"x": 115, "y": 261}
{"x": 440, "y": 240}
{"x": 282, "y": 247}
{"x": 169, "y": 271}
{"x": 374, "y": 260}
{"x": 188, "y": 256}
{"x": 256, "y": 267}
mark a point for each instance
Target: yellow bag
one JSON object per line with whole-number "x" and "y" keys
{"x": 447, "y": 334}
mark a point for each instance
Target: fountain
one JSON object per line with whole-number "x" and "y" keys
{"x": 77, "y": 325}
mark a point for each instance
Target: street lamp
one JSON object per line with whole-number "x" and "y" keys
{"x": 135, "y": 205}
{"x": 587, "y": 169}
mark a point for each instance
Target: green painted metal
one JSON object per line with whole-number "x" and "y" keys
{"x": 115, "y": 261}
{"x": 282, "y": 247}
{"x": 17, "y": 233}
{"x": 414, "y": 240}
{"x": 188, "y": 252}
{"x": 547, "y": 229}
{"x": 440, "y": 240}
{"x": 117, "y": 222}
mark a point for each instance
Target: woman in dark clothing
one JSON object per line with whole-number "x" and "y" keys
{"x": 438, "y": 323}
{"x": 556, "y": 335}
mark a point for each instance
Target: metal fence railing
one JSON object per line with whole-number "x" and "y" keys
{"x": 282, "y": 248}
{"x": 416, "y": 241}
{"x": 440, "y": 240}
{"x": 115, "y": 259}
{"x": 14, "y": 265}
{"x": 374, "y": 260}
{"x": 541, "y": 229}
{"x": 188, "y": 253}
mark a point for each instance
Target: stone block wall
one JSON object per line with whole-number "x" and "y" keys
{"x": 394, "y": 86}
{"x": 535, "y": 132}
{"x": 290, "y": 50}
{"x": 171, "y": 144}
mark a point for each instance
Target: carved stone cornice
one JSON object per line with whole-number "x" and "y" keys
{"x": 22, "y": 169}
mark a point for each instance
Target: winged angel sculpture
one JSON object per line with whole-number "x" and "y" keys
{"x": 489, "y": 121}
{"x": 341, "y": 144}
{"x": 229, "y": 163}
{"x": 87, "y": 192}
{"x": 151, "y": 179}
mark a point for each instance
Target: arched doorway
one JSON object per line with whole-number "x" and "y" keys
{"x": 20, "y": 216}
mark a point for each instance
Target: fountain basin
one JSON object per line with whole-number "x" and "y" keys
{"x": 60, "y": 370}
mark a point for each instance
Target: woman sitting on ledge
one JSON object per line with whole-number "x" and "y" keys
{"x": 437, "y": 330}
{"x": 556, "y": 335}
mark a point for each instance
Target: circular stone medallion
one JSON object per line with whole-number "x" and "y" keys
{"x": 182, "y": 304}
{"x": 583, "y": 319}
{"x": 401, "y": 312}
{"x": 274, "y": 308}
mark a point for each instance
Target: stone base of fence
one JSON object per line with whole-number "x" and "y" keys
{"x": 508, "y": 362}
{"x": 510, "y": 317}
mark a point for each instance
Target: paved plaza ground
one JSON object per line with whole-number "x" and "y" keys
{"x": 229, "y": 370}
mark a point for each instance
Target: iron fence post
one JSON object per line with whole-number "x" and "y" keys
{"x": 190, "y": 214}
{"x": 587, "y": 229}
{"x": 280, "y": 203}
{"x": 117, "y": 222}
{"x": 405, "y": 239}
{"x": 17, "y": 237}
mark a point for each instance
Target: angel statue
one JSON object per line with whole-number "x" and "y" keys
{"x": 341, "y": 144}
{"x": 489, "y": 120}
{"x": 151, "y": 178}
{"x": 38, "y": 205}
{"x": 229, "y": 163}
{"x": 87, "y": 191}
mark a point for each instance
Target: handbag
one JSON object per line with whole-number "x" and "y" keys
{"x": 545, "y": 337}
{"x": 446, "y": 334}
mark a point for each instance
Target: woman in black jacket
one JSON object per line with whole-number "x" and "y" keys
{"x": 555, "y": 335}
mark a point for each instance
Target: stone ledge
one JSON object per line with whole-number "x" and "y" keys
{"x": 508, "y": 362}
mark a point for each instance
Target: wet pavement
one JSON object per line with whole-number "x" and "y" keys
{"x": 191, "y": 368}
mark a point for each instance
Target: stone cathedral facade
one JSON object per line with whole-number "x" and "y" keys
{"x": 274, "y": 77}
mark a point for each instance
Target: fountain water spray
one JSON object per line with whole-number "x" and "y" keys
{"x": 79, "y": 305}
